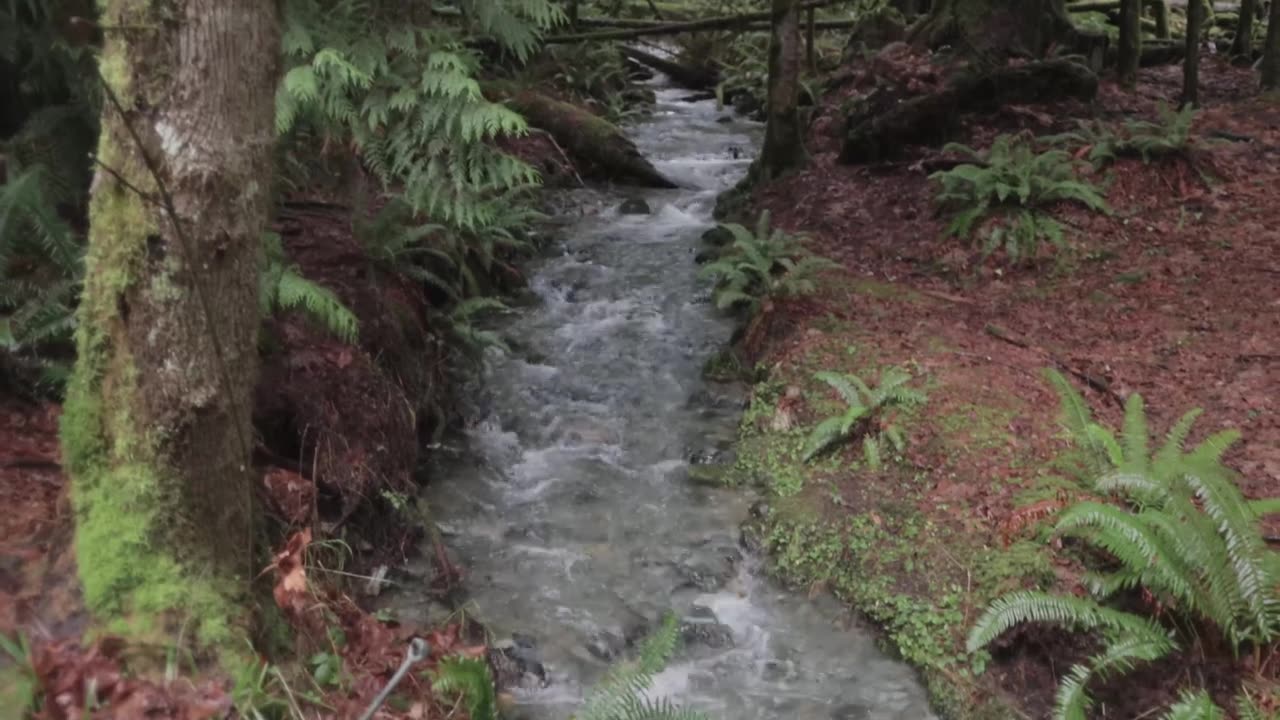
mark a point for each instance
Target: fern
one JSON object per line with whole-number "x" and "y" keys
{"x": 407, "y": 97}
{"x": 620, "y": 696}
{"x": 764, "y": 263}
{"x": 862, "y": 403}
{"x": 1013, "y": 183}
{"x": 1169, "y": 136}
{"x": 281, "y": 287}
{"x": 472, "y": 340}
{"x": 1194, "y": 706}
{"x": 470, "y": 678}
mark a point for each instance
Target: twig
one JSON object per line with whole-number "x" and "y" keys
{"x": 1099, "y": 384}
{"x": 572, "y": 168}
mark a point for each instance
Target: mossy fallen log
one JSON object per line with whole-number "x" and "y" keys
{"x": 597, "y": 146}
{"x": 689, "y": 76}
{"x": 879, "y": 127}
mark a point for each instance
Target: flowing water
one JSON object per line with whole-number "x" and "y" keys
{"x": 570, "y": 507}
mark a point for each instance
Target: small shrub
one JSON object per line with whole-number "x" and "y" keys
{"x": 1169, "y": 136}
{"x": 1013, "y": 183}
{"x": 865, "y": 409}
{"x": 762, "y": 264}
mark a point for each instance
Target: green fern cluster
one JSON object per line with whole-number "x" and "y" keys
{"x": 1169, "y": 136}
{"x": 406, "y": 95}
{"x": 762, "y": 264}
{"x": 621, "y": 695}
{"x": 470, "y": 678}
{"x": 1013, "y": 183}
{"x": 1184, "y": 533}
{"x": 865, "y": 413}
{"x": 281, "y": 287}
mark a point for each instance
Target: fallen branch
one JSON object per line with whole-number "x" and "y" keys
{"x": 724, "y": 22}
{"x": 1093, "y": 381}
{"x": 884, "y": 123}
{"x": 694, "y": 78}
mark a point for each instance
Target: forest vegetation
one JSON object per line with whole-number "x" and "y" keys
{"x": 1004, "y": 276}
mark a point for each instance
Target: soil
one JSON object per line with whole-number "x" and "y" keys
{"x": 1173, "y": 295}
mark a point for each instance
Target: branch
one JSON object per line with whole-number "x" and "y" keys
{"x": 714, "y": 23}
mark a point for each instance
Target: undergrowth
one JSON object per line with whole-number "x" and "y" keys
{"x": 762, "y": 264}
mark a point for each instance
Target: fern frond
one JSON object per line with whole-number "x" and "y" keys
{"x": 296, "y": 292}
{"x": 470, "y": 678}
{"x": 1076, "y": 418}
{"x": 1194, "y": 706}
{"x": 1077, "y": 613}
{"x": 1135, "y": 435}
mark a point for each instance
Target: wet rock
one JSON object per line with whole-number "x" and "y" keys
{"x": 517, "y": 663}
{"x": 702, "y": 577}
{"x": 717, "y": 236}
{"x": 709, "y": 475}
{"x": 702, "y": 627}
{"x": 724, "y": 119}
{"x": 760, "y": 509}
{"x": 750, "y": 538}
{"x": 851, "y": 711}
{"x": 634, "y": 206}
{"x": 705, "y": 256}
{"x": 606, "y": 646}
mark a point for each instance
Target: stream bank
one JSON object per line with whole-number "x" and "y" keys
{"x": 1161, "y": 297}
{"x": 568, "y": 500}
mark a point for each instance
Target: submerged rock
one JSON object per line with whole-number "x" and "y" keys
{"x": 702, "y": 627}
{"x": 605, "y": 645}
{"x": 634, "y": 206}
{"x": 517, "y": 663}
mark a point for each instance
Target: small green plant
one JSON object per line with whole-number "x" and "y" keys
{"x": 473, "y": 341}
{"x": 865, "y": 406}
{"x": 281, "y": 287}
{"x": 1183, "y": 533}
{"x": 620, "y": 696}
{"x": 1014, "y": 184}
{"x": 18, "y": 682}
{"x": 1169, "y": 136}
{"x": 762, "y": 264}
{"x": 326, "y": 669}
{"x": 470, "y": 678}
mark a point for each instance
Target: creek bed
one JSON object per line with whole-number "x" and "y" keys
{"x": 570, "y": 505}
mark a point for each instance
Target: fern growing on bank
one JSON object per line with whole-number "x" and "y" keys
{"x": 406, "y": 95}
{"x": 620, "y": 696}
{"x": 1014, "y": 184}
{"x": 281, "y": 287}
{"x": 1170, "y": 135}
{"x": 764, "y": 263}
{"x": 470, "y": 678}
{"x": 1184, "y": 534}
{"x": 864, "y": 406}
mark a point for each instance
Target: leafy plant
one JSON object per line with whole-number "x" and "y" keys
{"x": 1170, "y": 135}
{"x": 472, "y": 340}
{"x": 864, "y": 412}
{"x": 281, "y": 287}
{"x": 1014, "y": 184}
{"x": 470, "y": 678}
{"x": 406, "y": 96}
{"x": 19, "y": 684}
{"x": 1185, "y": 535}
{"x": 620, "y": 696}
{"x": 762, "y": 264}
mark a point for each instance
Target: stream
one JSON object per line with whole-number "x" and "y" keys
{"x": 569, "y": 506}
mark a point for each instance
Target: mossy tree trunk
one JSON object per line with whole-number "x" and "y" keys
{"x": 1242, "y": 45}
{"x": 1271, "y": 50}
{"x": 1130, "y": 42}
{"x": 1191, "y": 61}
{"x": 156, "y": 427}
{"x": 783, "y": 137}
{"x": 996, "y": 27}
{"x": 1160, "y": 9}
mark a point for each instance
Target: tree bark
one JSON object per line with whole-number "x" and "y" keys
{"x": 1191, "y": 62}
{"x": 1242, "y": 44}
{"x": 783, "y": 148}
{"x": 996, "y": 27}
{"x": 156, "y": 426}
{"x": 1161, "y": 10}
{"x": 1271, "y": 50}
{"x": 1130, "y": 42}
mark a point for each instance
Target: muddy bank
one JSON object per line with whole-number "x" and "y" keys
{"x": 1172, "y": 295}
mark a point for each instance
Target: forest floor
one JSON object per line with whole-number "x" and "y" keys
{"x": 1175, "y": 295}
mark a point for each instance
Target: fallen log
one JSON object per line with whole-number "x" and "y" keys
{"x": 724, "y": 22}
{"x": 881, "y": 126}
{"x": 752, "y": 26}
{"x": 692, "y": 77}
{"x": 597, "y": 146}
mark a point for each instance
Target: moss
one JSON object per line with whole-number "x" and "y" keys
{"x": 123, "y": 496}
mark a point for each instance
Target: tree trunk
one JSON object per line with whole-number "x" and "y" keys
{"x": 996, "y": 27}
{"x": 156, "y": 426}
{"x": 1242, "y": 45}
{"x": 1160, "y": 8}
{"x": 1271, "y": 50}
{"x": 1130, "y": 42}
{"x": 783, "y": 137}
{"x": 1191, "y": 63}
